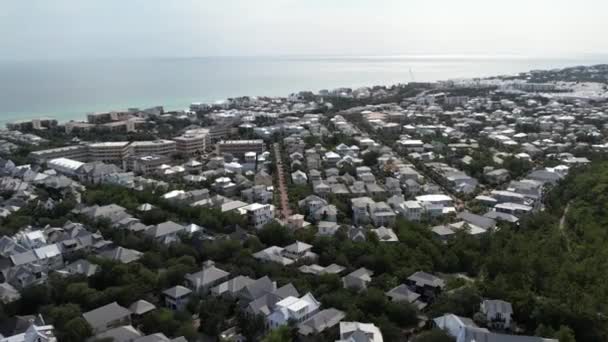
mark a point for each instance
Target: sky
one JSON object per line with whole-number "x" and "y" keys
{"x": 60, "y": 29}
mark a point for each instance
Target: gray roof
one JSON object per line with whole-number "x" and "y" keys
{"x": 23, "y": 258}
{"x": 177, "y": 291}
{"x": 83, "y": 267}
{"x": 165, "y": 228}
{"x": 424, "y": 279}
{"x": 287, "y": 290}
{"x": 477, "y": 220}
{"x": 123, "y": 255}
{"x": 207, "y": 275}
{"x": 320, "y": 321}
{"x": 141, "y": 307}
{"x": 258, "y": 287}
{"x": 101, "y": 316}
{"x": 402, "y": 293}
{"x": 471, "y": 334}
{"x": 125, "y": 333}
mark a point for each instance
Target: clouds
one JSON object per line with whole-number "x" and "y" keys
{"x": 186, "y": 28}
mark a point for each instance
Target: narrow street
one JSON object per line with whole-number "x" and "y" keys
{"x": 284, "y": 199}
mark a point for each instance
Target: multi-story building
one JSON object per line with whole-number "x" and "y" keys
{"x": 109, "y": 152}
{"x": 37, "y": 124}
{"x": 258, "y": 215}
{"x": 147, "y": 163}
{"x": 105, "y": 117}
{"x": 159, "y": 147}
{"x": 76, "y": 152}
{"x": 192, "y": 143}
{"x": 240, "y": 147}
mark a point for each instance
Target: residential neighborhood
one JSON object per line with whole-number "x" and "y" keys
{"x": 343, "y": 215}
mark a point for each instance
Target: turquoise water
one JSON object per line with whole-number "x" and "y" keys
{"x": 67, "y": 90}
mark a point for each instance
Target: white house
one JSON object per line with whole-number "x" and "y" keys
{"x": 293, "y": 309}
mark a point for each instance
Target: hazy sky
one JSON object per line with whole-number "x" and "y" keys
{"x": 133, "y": 28}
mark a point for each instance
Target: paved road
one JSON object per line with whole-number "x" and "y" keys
{"x": 284, "y": 199}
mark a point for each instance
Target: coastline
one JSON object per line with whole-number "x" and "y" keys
{"x": 75, "y": 90}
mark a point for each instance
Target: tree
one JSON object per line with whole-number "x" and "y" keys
{"x": 282, "y": 334}
{"x": 274, "y": 234}
{"x": 76, "y": 330}
{"x": 434, "y": 335}
{"x": 565, "y": 334}
{"x": 371, "y": 158}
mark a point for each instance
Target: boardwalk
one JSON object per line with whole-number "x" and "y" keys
{"x": 284, "y": 199}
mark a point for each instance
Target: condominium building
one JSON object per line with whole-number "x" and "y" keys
{"x": 192, "y": 143}
{"x": 105, "y": 117}
{"x": 75, "y": 152}
{"x": 160, "y": 147}
{"x": 240, "y": 147}
{"x": 109, "y": 152}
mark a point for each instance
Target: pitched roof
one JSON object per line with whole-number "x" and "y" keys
{"x": 402, "y": 293}
{"x": 177, "y": 291}
{"x": 103, "y": 315}
{"x": 423, "y": 279}
{"x": 320, "y": 321}
{"x": 141, "y": 306}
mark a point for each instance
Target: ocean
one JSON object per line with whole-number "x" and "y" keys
{"x": 67, "y": 90}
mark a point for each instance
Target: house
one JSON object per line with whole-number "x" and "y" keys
{"x": 411, "y": 210}
{"x": 293, "y": 309}
{"x": 321, "y": 321}
{"x": 385, "y": 234}
{"x": 473, "y": 334}
{"x": 319, "y": 270}
{"x": 425, "y": 284}
{"x": 125, "y": 333}
{"x": 514, "y": 209}
{"x": 358, "y": 279}
{"x": 122, "y": 255}
{"x": 166, "y": 232}
{"x": 258, "y": 215}
{"x": 321, "y": 188}
{"x": 257, "y": 289}
{"x": 444, "y": 232}
{"x": 299, "y": 250}
{"x": 264, "y": 304}
{"x": 312, "y": 203}
{"x": 360, "y": 207}
{"x": 177, "y": 297}
{"x": 80, "y": 267}
{"x": 231, "y": 287}
{"x": 497, "y": 176}
{"x": 202, "y": 281}
{"x": 111, "y": 212}
{"x": 106, "y": 317}
{"x": 498, "y": 313}
{"x": 273, "y": 254}
{"x": 34, "y": 333}
{"x": 141, "y": 307}
{"x": 299, "y": 177}
{"x": 327, "y": 228}
{"x": 326, "y": 213}
{"x": 359, "y": 332}
{"x": 381, "y": 214}
{"x": 453, "y": 325}
{"x": 402, "y": 293}
{"x": 357, "y": 234}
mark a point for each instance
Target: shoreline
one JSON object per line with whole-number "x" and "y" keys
{"x": 78, "y": 113}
